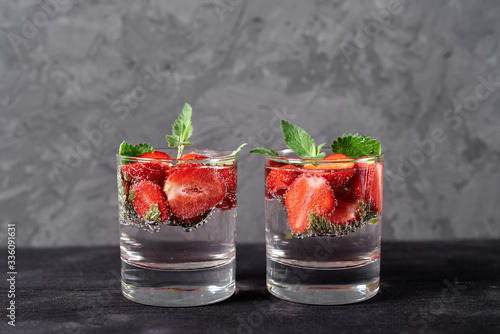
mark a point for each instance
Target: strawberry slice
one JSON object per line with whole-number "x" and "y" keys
{"x": 272, "y": 163}
{"x": 361, "y": 182}
{"x": 193, "y": 190}
{"x": 144, "y": 171}
{"x": 148, "y": 171}
{"x": 156, "y": 155}
{"x": 147, "y": 194}
{"x": 308, "y": 193}
{"x": 229, "y": 176}
{"x": 345, "y": 213}
{"x": 367, "y": 183}
{"x": 376, "y": 190}
{"x": 340, "y": 172}
{"x": 279, "y": 179}
{"x": 194, "y": 156}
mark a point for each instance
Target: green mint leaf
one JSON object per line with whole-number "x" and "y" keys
{"x": 130, "y": 150}
{"x": 298, "y": 140}
{"x": 261, "y": 150}
{"x": 318, "y": 149}
{"x": 317, "y": 156}
{"x": 182, "y": 129}
{"x": 301, "y": 142}
{"x": 356, "y": 146}
{"x": 172, "y": 141}
{"x": 235, "y": 152}
{"x": 153, "y": 214}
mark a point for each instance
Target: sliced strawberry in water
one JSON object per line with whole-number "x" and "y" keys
{"x": 279, "y": 179}
{"x": 272, "y": 163}
{"x": 148, "y": 171}
{"x": 147, "y": 194}
{"x": 229, "y": 176}
{"x": 367, "y": 183}
{"x": 156, "y": 155}
{"x": 338, "y": 173}
{"x": 345, "y": 194}
{"x": 191, "y": 191}
{"x": 344, "y": 213}
{"x": 376, "y": 190}
{"x": 361, "y": 182}
{"x": 194, "y": 156}
{"x": 144, "y": 171}
{"x": 308, "y": 193}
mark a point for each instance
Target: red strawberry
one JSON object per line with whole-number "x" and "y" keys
{"x": 144, "y": 171}
{"x": 272, "y": 163}
{"x": 279, "y": 179}
{"x": 148, "y": 171}
{"x": 193, "y": 190}
{"x": 367, "y": 183}
{"x": 308, "y": 193}
{"x": 229, "y": 176}
{"x": 376, "y": 190}
{"x": 344, "y": 213}
{"x": 345, "y": 194}
{"x": 361, "y": 182}
{"x": 340, "y": 172}
{"x": 156, "y": 155}
{"x": 191, "y": 157}
{"x": 194, "y": 156}
{"x": 146, "y": 194}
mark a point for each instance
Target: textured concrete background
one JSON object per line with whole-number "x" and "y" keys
{"x": 78, "y": 77}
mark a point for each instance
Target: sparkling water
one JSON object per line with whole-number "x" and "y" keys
{"x": 172, "y": 266}
{"x": 321, "y": 269}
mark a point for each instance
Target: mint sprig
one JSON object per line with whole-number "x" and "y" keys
{"x": 235, "y": 152}
{"x": 298, "y": 140}
{"x": 182, "y": 129}
{"x": 356, "y": 146}
{"x": 261, "y": 150}
{"x": 130, "y": 150}
{"x": 301, "y": 142}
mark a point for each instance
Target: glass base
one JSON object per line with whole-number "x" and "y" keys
{"x": 178, "y": 288}
{"x": 323, "y": 286}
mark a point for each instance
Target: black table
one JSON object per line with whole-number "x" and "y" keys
{"x": 427, "y": 287}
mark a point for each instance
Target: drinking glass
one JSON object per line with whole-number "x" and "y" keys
{"x": 318, "y": 256}
{"x": 185, "y": 255}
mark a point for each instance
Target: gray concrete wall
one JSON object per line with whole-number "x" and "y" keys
{"x": 411, "y": 76}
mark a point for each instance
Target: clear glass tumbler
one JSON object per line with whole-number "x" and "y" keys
{"x": 323, "y": 228}
{"x": 178, "y": 228}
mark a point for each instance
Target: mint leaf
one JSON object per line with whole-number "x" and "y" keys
{"x": 261, "y": 150}
{"x": 130, "y": 150}
{"x": 356, "y": 146}
{"x": 300, "y": 141}
{"x": 182, "y": 129}
{"x": 235, "y": 152}
{"x": 153, "y": 214}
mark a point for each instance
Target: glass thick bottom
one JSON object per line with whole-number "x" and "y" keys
{"x": 321, "y": 286}
{"x": 178, "y": 288}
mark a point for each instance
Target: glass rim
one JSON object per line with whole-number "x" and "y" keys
{"x": 222, "y": 155}
{"x": 298, "y": 160}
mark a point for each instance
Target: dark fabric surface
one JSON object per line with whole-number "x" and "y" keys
{"x": 431, "y": 287}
